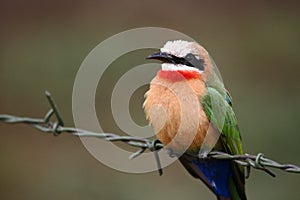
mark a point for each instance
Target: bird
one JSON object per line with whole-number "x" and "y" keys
{"x": 191, "y": 113}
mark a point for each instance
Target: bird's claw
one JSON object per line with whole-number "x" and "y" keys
{"x": 203, "y": 155}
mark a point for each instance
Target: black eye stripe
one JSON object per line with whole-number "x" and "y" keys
{"x": 178, "y": 60}
{"x": 194, "y": 61}
{"x": 189, "y": 60}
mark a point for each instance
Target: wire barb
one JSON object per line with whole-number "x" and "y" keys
{"x": 57, "y": 127}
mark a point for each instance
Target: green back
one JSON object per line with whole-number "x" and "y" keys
{"x": 218, "y": 109}
{"x": 217, "y": 106}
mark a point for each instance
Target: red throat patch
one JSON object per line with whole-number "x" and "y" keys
{"x": 178, "y": 75}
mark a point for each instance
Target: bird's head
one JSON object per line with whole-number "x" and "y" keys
{"x": 183, "y": 55}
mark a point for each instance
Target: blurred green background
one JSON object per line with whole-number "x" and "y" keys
{"x": 255, "y": 44}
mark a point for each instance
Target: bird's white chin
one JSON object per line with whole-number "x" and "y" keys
{"x": 172, "y": 67}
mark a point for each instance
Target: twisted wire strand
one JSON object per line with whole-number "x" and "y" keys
{"x": 57, "y": 127}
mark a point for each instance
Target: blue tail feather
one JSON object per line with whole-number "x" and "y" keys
{"x": 217, "y": 173}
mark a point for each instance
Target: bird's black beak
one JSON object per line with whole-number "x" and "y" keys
{"x": 162, "y": 56}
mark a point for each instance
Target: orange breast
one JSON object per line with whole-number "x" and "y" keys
{"x": 174, "y": 111}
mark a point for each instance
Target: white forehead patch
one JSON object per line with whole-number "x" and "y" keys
{"x": 179, "y": 48}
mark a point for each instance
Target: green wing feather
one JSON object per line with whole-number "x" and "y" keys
{"x": 220, "y": 113}
{"x": 217, "y": 106}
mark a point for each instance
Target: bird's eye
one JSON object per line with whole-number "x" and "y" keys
{"x": 194, "y": 61}
{"x": 189, "y": 57}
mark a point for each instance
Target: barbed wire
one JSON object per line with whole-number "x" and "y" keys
{"x": 57, "y": 127}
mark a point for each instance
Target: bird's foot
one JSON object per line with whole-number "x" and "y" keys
{"x": 203, "y": 155}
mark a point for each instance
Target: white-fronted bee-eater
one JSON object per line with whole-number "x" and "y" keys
{"x": 191, "y": 113}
